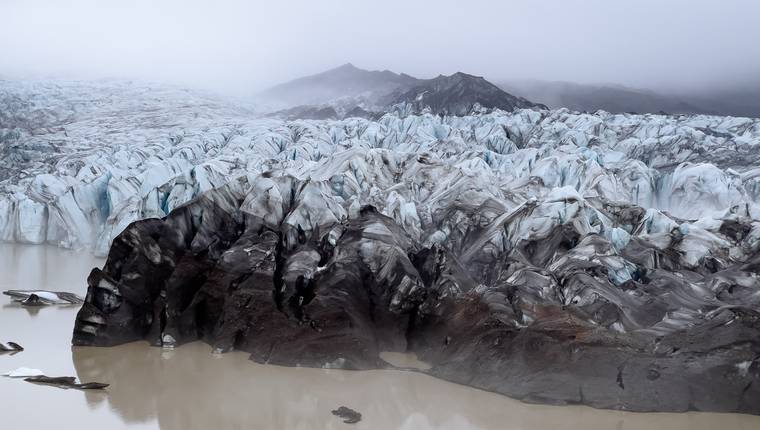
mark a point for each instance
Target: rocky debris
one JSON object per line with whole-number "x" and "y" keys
{"x": 348, "y": 415}
{"x": 42, "y": 297}
{"x": 11, "y": 347}
{"x": 65, "y": 382}
{"x": 32, "y": 300}
{"x": 562, "y": 300}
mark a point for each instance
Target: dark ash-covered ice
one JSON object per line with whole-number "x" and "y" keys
{"x": 561, "y": 299}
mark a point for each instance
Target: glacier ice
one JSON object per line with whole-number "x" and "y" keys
{"x": 87, "y": 159}
{"x": 544, "y": 254}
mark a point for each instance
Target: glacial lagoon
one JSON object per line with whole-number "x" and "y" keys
{"x": 191, "y": 388}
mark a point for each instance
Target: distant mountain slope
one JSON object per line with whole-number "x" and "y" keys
{"x": 744, "y": 101}
{"x": 590, "y": 98}
{"x": 619, "y": 99}
{"x": 458, "y": 94}
{"x": 344, "y": 81}
{"x": 350, "y": 91}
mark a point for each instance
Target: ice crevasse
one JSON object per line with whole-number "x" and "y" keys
{"x": 101, "y": 173}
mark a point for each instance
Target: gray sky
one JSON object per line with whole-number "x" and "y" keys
{"x": 229, "y": 44}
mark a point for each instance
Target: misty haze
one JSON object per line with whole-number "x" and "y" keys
{"x": 394, "y": 215}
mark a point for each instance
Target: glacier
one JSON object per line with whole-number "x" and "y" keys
{"x": 558, "y": 257}
{"x": 82, "y": 161}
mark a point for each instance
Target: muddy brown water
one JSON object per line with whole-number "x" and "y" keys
{"x": 191, "y": 388}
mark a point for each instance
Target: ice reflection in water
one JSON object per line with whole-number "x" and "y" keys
{"x": 190, "y": 388}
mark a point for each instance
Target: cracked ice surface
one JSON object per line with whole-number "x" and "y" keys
{"x": 80, "y": 161}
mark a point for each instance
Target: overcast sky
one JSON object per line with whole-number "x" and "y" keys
{"x": 229, "y": 44}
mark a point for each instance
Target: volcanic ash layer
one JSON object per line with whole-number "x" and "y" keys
{"x": 562, "y": 299}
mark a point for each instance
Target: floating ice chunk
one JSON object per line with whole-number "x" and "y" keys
{"x": 23, "y": 372}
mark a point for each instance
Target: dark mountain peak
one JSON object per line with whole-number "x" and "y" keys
{"x": 348, "y": 85}
{"x": 342, "y": 70}
{"x": 463, "y": 75}
{"x": 461, "y": 78}
{"x": 459, "y": 93}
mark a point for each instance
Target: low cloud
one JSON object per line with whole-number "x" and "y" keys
{"x": 245, "y": 46}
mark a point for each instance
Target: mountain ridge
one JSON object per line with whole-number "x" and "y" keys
{"x": 347, "y": 89}
{"x": 346, "y": 80}
{"x": 459, "y": 94}
{"x": 616, "y": 98}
